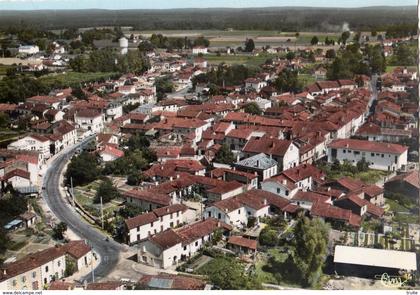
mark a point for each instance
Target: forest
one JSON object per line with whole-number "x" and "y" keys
{"x": 280, "y": 19}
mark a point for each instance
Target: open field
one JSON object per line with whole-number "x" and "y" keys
{"x": 249, "y": 60}
{"x": 236, "y": 38}
{"x": 72, "y": 78}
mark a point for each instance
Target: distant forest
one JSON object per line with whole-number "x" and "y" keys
{"x": 280, "y": 19}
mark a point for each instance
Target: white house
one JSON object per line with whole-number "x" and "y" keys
{"x": 285, "y": 152}
{"x": 170, "y": 247}
{"x": 200, "y": 50}
{"x": 280, "y": 185}
{"x": 380, "y": 155}
{"x": 158, "y": 220}
{"x": 89, "y": 120}
{"x": 33, "y": 142}
{"x": 36, "y": 270}
{"x": 255, "y": 83}
{"x": 237, "y": 210}
{"x": 28, "y": 49}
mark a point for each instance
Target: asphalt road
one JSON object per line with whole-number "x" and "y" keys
{"x": 108, "y": 250}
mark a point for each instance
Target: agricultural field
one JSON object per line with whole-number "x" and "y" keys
{"x": 235, "y": 38}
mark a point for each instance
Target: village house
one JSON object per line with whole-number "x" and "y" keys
{"x": 89, "y": 120}
{"x": 158, "y": 220}
{"x": 260, "y": 164}
{"x": 237, "y": 211}
{"x": 168, "y": 248}
{"x": 199, "y": 50}
{"x": 379, "y": 155}
{"x": 284, "y": 152}
{"x": 39, "y": 269}
{"x": 33, "y": 142}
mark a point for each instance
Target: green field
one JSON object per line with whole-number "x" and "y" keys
{"x": 237, "y": 37}
{"x": 72, "y": 78}
{"x": 249, "y": 60}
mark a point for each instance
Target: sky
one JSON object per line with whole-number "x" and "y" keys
{"x": 168, "y": 4}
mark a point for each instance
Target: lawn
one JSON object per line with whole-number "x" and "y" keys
{"x": 401, "y": 213}
{"x": 306, "y": 79}
{"x": 84, "y": 195}
{"x": 371, "y": 176}
{"x": 265, "y": 272}
{"x": 72, "y": 78}
{"x": 249, "y": 60}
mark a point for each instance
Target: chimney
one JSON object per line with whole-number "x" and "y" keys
{"x": 284, "y": 181}
{"x": 219, "y": 224}
{"x": 167, "y": 210}
{"x": 5, "y": 272}
{"x": 329, "y": 188}
{"x": 265, "y": 201}
{"x": 226, "y": 210}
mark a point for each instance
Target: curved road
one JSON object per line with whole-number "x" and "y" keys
{"x": 108, "y": 250}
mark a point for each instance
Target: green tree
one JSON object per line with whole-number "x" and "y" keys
{"x": 225, "y": 155}
{"x": 71, "y": 267}
{"x": 314, "y": 40}
{"x": 404, "y": 56}
{"x": 330, "y": 53}
{"x": 362, "y": 165}
{"x": 83, "y": 169}
{"x": 59, "y": 230}
{"x": 227, "y": 273}
{"x": 252, "y": 108}
{"x": 107, "y": 191}
{"x": 345, "y": 36}
{"x": 310, "y": 247}
{"x": 249, "y": 45}
{"x": 287, "y": 80}
{"x": 269, "y": 236}
{"x": 290, "y": 55}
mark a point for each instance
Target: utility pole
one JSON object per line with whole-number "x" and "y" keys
{"x": 72, "y": 191}
{"x": 102, "y": 214}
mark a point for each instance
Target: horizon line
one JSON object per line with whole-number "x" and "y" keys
{"x": 210, "y": 8}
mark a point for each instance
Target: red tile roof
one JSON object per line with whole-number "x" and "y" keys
{"x": 243, "y": 242}
{"x": 268, "y": 146}
{"x": 327, "y": 211}
{"x": 178, "y": 282}
{"x": 369, "y": 146}
{"x": 149, "y": 196}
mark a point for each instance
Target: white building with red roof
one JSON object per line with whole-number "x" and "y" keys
{"x": 379, "y": 155}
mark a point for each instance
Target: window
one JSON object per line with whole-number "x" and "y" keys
{"x": 185, "y": 248}
{"x": 177, "y": 214}
{"x": 219, "y": 216}
{"x": 138, "y": 237}
{"x": 59, "y": 263}
{"x": 171, "y": 224}
{"x": 46, "y": 268}
{"x": 372, "y": 154}
{"x": 287, "y": 192}
{"x": 138, "y": 228}
{"x": 161, "y": 228}
{"x": 382, "y": 155}
{"x": 14, "y": 283}
{"x": 239, "y": 211}
{"x": 196, "y": 243}
{"x": 23, "y": 279}
{"x": 356, "y": 152}
{"x": 344, "y": 151}
{"x": 278, "y": 190}
{"x": 34, "y": 274}
{"x": 172, "y": 215}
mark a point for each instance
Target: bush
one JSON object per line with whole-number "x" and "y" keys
{"x": 107, "y": 191}
{"x": 268, "y": 237}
